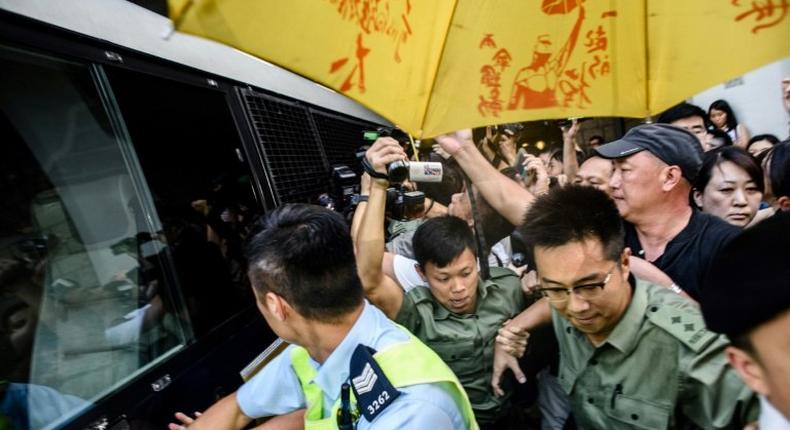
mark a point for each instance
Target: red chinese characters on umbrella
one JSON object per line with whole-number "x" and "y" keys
{"x": 490, "y": 75}
{"x": 560, "y": 71}
{"x": 371, "y": 17}
{"x": 768, "y": 13}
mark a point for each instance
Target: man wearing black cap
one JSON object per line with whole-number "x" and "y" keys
{"x": 747, "y": 297}
{"x": 654, "y": 167}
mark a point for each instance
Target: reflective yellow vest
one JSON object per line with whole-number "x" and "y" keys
{"x": 424, "y": 367}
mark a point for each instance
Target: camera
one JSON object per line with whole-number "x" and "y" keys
{"x": 343, "y": 187}
{"x": 404, "y": 205}
{"x": 402, "y": 170}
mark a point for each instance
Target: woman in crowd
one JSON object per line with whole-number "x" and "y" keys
{"x": 723, "y": 118}
{"x": 761, "y": 143}
{"x": 729, "y": 185}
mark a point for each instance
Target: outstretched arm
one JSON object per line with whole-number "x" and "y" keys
{"x": 224, "y": 415}
{"x": 503, "y": 194}
{"x": 380, "y": 289}
{"x": 570, "y": 165}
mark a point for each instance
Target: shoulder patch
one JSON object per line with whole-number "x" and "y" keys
{"x": 373, "y": 391}
{"x": 684, "y": 324}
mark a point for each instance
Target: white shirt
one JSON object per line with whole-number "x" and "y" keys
{"x": 771, "y": 418}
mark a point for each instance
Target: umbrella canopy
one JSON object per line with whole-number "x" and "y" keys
{"x": 433, "y": 66}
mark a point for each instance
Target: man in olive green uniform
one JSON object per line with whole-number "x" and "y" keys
{"x": 459, "y": 314}
{"x": 632, "y": 354}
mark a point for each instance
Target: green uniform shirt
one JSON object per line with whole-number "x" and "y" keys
{"x": 658, "y": 369}
{"x": 466, "y": 342}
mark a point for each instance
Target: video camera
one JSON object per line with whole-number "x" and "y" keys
{"x": 402, "y": 204}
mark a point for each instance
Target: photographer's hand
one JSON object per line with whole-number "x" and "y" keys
{"x": 384, "y": 151}
{"x": 452, "y": 143}
{"x": 537, "y": 178}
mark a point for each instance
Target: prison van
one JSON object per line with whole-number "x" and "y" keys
{"x": 133, "y": 160}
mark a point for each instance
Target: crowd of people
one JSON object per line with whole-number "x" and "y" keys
{"x": 639, "y": 283}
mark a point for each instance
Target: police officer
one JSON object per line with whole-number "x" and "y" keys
{"x": 305, "y": 282}
{"x": 632, "y": 354}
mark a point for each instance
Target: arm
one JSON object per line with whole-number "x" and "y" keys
{"x": 364, "y": 190}
{"x": 646, "y": 271}
{"x": 510, "y": 337}
{"x": 743, "y": 136}
{"x": 434, "y": 209}
{"x": 292, "y": 421}
{"x": 504, "y": 195}
{"x": 570, "y": 165}
{"x": 225, "y": 414}
{"x": 380, "y": 289}
{"x": 711, "y": 394}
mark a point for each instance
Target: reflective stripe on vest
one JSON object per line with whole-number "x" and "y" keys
{"x": 424, "y": 367}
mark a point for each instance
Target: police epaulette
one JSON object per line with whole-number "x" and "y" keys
{"x": 373, "y": 390}
{"x": 685, "y": 325}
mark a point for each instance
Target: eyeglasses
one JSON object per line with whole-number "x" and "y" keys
{"x": 586, "y": 291}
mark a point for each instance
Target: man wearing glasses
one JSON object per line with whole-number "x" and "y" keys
{"x": 632, "y": 354}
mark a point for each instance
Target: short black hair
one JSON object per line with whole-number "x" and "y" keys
{"x": 778, "y": 160}
{"x": 735, "y": 155}
{"x": 571, "y": 214}
{"x": 441, "y": 240}
{"x": 682, "y": 111}
{"x": 597, "y": 137}
{"x": 304, "y": 254}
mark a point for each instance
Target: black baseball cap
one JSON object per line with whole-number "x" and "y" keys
{"x": 673, "y": 145}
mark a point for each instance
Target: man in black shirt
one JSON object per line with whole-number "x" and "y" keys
{"x": 655, "y": 165}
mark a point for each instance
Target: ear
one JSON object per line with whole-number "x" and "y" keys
{"x": 783, "y": 203}
{"x": 697, "y": 195}
{"x": 276, "y": 306}
{"x": 748, "y": 369}
{"x": 670, "y": 177}
{"x": 420, "y": 272}
{"x": 625, "y": 262}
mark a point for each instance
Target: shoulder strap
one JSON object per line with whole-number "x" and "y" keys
{"x": 372, "y": 389}
{"x": 683, "y": 324}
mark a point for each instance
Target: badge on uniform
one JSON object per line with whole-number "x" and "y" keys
{"x": 373, "y": 390}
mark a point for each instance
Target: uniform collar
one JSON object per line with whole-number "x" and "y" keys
{"x": 334, "y": 371}
{"x": 625, "y": 335}
{"x": 441, "y": 313}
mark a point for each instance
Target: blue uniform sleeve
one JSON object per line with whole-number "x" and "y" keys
{"x": 275, "y": 390}
{"x": 424, "y": 406}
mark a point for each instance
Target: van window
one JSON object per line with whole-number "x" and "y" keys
{"x": 86, "y": 302}
{"x": 193, "y": 160}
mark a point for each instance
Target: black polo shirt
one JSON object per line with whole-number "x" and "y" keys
{"x": 688, "y": 255}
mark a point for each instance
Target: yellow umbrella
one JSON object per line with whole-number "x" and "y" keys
{"x": 433, "y": 66}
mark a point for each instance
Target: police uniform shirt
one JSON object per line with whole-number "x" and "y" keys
{"x": 275, "y": 390}
{"x": 466, "y": 342}
{"x": 688, "y": 255}
{"x": 658, "y": 369}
